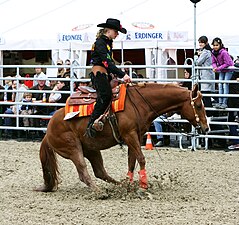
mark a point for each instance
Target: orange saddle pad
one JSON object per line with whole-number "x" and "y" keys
{"x": 86, "y": 110}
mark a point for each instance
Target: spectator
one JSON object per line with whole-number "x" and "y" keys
{"x": 67, "y": 73}
{"x": 186, "y": 84}
{"x": 187, "y": 75}
{"x": 13, "y": 109}
{"x": 60, "y": 97}
{"x": 8, "y": 82}
{"x": 140, "y": 75}
{"x": 127, "y": 70}
{"x": 158, "y": 128}
{"x": 17, "y": 97}
{"x": 27, "y": 110}
{"x": 61, "y": 70}
{"x": 1, "y": 93}
{"x": 1, "y": 107}
{"x": 38, "y": 72}
{"x": 7, "y": 86}
{"x": 220, "y": 61}
{"x": 83, "y": 83}
{"x": 41, "y": 86}
{"x": 233, "y": 102}
{"x": 52, "y": 83}
{"x": 28, "y": 83}
{"x": 203, "y": 57}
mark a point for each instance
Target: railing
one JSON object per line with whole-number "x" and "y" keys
{"x": 194, "y": 135}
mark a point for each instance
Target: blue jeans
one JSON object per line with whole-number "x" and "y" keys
{"x": 224, "y": 87}
{"x": 158, "y": 128}
{"x": 8, "y": 121}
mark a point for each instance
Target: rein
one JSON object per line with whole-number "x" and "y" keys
{"x": 167, "y": 122}
{"x": 136, "y": 109}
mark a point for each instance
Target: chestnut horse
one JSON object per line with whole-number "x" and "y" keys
{"x": 144, "y": 102}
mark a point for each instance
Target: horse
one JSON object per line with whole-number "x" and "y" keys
{"x": 143, "y": 103}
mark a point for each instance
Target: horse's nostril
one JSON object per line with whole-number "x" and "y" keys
{"x": 207, "y": 129}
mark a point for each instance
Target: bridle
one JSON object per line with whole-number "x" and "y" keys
{"x": 194, "y": 110}
{"x": 167, "y": 122}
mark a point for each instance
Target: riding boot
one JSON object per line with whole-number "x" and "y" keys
{"x": 94, "y": 125}
{"x": 90, "y": 131}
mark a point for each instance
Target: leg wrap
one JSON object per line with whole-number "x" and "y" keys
{"x": 143, "y": 181}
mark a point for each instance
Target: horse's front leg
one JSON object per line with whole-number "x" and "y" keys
{"x": 135, "y": 153}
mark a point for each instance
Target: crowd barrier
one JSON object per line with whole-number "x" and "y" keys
{"x": 194, "y": 136}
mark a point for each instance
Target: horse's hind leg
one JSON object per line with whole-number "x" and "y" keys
{"x": 97, "y": 164}
{"x": 79, "y": 161}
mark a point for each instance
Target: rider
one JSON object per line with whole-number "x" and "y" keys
{"x": 103, "y": 65}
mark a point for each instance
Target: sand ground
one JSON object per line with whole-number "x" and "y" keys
{"x": 185, "y": 187}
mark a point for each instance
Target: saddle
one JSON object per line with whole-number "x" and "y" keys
{"x": 87, "y": 95}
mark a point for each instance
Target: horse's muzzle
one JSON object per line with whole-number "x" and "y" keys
{"x": 206, "y": 130}
{"x": 203, "y": 130}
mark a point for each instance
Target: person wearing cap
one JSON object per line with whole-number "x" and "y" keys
{"x": 103, "y": 65}
{"x": 41, "y": 86}
{"x": 39, "y": 72}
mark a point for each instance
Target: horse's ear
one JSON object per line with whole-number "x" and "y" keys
{"x": 195, "y": 90}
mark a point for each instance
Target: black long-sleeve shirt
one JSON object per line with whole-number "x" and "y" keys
{"x": 101, "y": 55}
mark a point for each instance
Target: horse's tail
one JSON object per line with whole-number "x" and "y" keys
{"x": 49, "y": 167}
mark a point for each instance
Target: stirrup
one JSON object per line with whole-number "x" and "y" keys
{"x": 98, "y": 125}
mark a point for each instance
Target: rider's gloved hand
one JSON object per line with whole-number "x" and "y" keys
{"x": 127, "y": 78}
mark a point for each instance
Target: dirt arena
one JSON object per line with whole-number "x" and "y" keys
{"x": 186, "y": 187}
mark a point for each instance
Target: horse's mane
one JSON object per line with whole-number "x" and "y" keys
{"x": 160, "y": 85}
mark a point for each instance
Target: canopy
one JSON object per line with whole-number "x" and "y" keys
{"x": 36, "y": 25}
{"x": 28, "y": 24}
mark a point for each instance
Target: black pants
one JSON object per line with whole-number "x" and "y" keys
{"x": 207, "y": 102}
{"x": 102, "y": 85}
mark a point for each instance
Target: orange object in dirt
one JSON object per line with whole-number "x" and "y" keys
{"x": 149, "y": 145}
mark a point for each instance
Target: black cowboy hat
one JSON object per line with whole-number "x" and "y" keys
{"x": 113, "y": 24}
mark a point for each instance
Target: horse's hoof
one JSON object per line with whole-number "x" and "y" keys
{"x": 143, "y": 185}
{"x": 143, "y": 194}
{"x": 42, "y": 189}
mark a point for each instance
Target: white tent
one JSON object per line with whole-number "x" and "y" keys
{"x": 28, "y": 24}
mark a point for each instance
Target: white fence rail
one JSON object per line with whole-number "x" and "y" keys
{"x": 195, "y": 78}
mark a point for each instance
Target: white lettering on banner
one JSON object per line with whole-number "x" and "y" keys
{"x": 70, "y": 37}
